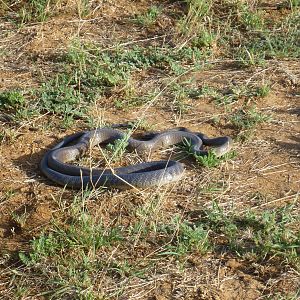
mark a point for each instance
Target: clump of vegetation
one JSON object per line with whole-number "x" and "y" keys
{"x": 20, "y": 218}
{"x": 14, "y": 104}
{"x": 210, "y": 160}
{"x": 12, "y": 100}
{"x": 118, "y": 148}
{"x": 250, "y": 57}
{"x": 34, "y": 11}
{"x": 246, "y": 122}
{"x": 263, "y": 90}
{"x": 191, "y": 24}
{"x": 61, "y": 96}
{"x": 251, "y": 19}
{"x": 248, "y": 119}
{"x": 72, "y": 254}
{"x": 259, "y": 235}
{"x": 231, "y": 94}
{"x": 92, "y": 73}
{"x": 277, "y": 42}
{"x": 187, "y": 238}
{"x": 149, "y": 17}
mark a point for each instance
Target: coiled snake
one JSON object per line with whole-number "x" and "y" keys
{"x": 55, "y": 163}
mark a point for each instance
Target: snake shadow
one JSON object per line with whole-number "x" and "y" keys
{"x": 293, "y": 111}
{"x": 30, "y": 163}
{"x": 290, "y": 147}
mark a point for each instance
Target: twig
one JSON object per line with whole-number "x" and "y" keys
{"x": 272, "y": 202}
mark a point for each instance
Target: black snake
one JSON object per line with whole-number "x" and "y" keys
{"x": 55, "y": 163}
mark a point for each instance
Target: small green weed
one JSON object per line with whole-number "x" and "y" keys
{"x": 83, "y": 8}
{"x": 230, "y": 95}
{"x": 34, "y": 10}
{"x": 125, "y": 269}
{"x": 279, "y": 41}
{"x": 83, "y": 233}
{"x": 234, "y": 93}
{"x": 118, "y": 148}
{"x": 214, "y": 187}
{"x": 8, "y": 135}
{"x": 263, "y": 90}
{"x": 204, "y": 39}
{"x": 191, "y": 25}
{"x": 132, "y": 98}
{"x": 249, "y": 119}
{"x": 72, "y": 253}
{"x": 149, "y": 17}
{"x": 20, "y": 218}
{"x": 131, "y": 102}
{"x": 294, "y": 3}
{"x": 210, "y": 160}
{"x": 15, "y": 103}
{"x": 21, "y": 292}
{"x": 187, "y": 238}
{"x": 252, "y": 20}
{"x": 60, "y": 96}
{"x": 208, "y": 91}
{"x": 180, "y": 94}
{"x": 11, "y": 100}
{"x": 7, "y": 195}
{"x": 264, "y": 235}
{"x": 250, "y": 57}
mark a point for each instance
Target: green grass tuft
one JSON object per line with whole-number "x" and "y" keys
{"x": 249, "y": 119}
{"x": 11, "y": 100}
{"x": 149, "y": 17}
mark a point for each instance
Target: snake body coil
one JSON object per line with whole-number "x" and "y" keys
{"x": 55, "y": 163}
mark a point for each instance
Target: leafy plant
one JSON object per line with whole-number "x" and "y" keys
{"x": 249, "y": 119}
{"x": 149, "y": 17}
{"x": 118, "y": 148}
{"x": 251, "y": 19}
{"x": 12, "y": 100}
{"x": 34, "y": 10}
{"x": 204, "y": 39}
{"x": 250, "y": 57}
{"x": 210, "y": 160}
{"x": 263, "y": 91}
{"x": 187, "y": 238}
{"x": 91, "y": 73}
{"x": 84, "y": 233}
{"x": 294, "y": 3}
{"x": 192, "y": 24}
{"x": 265, "y": 234}
{"x": 60, "y": 96}
{"x": 20, "y": 218}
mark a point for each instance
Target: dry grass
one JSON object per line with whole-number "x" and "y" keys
{"x": 219, "y": 67}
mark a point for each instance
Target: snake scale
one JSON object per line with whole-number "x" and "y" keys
{"x": 55, "y": 164}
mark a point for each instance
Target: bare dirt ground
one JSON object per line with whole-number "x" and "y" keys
{"x": 264, "y": 174}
